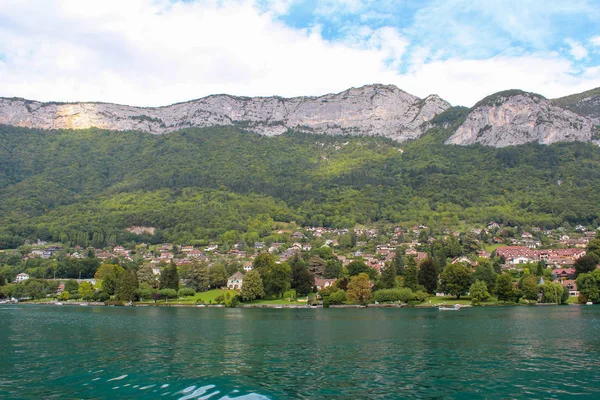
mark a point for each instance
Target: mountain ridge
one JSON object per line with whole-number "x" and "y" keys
{"x": 510, "y": 117}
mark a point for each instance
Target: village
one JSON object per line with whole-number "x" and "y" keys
{"x": 508, "y": 249}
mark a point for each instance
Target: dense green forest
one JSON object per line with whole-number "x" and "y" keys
{"x": 201, "y": 184}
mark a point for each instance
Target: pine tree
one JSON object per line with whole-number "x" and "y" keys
{"x": 127, "y": 284}
{"x": 388, "y": 276}
{"x": 411, "y": 274}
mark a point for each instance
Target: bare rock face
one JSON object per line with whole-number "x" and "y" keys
{"x": 516, "y": 117}
{"x": 370, "y": 110}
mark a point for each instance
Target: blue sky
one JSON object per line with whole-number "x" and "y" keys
{"x": 156, "y": 52}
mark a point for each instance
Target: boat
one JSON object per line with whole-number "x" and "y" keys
{"x": 455, "y": 307}
{"x": 589, "y": 303}
{"x": 58, "y": 303}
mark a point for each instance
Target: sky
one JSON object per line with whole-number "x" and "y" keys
{"x": 158, "y": 52}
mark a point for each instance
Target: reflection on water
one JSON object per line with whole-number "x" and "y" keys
{"x": 189, "y": 353}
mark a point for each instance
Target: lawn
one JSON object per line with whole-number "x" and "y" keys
{"x": 207, "y": 297}
{"x": 492, "y": 247}
{"x": 464, "y": 300}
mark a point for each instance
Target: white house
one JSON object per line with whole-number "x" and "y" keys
{"x": 21, "y": 277}
{"x": 235, "y": 281}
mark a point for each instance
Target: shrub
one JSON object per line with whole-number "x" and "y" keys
{"x": 101, "y": 296}
{"x": 186, "y": 292}
{"x": 421, "y": 296}
{"x": 168, "y": 293}
{"x": 290, "y": 295}
{"x": 337, "y": 297}
{"x": 220, "y": 299}
{"x": 391, "y": 295}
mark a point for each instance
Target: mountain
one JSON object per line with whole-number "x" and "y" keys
{"x": 515, "y": 117}
{"x": 226, "y": 184}
{"x": 373, "y": 110}
{"x": 586, "y": 104}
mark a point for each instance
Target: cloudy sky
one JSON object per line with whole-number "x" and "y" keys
{"x": 157, "y": 52}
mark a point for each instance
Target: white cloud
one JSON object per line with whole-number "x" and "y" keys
{"x": 595, "y": 41}
{"x": 464, "y": 82}
{"x": 576, "y": 49}
{"x": 155, "y": 52}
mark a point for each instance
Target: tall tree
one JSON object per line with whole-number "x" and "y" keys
{"x": 197, "y": 276}
{"x": 359, "y": 289}
{"x": 456, "y": 279}
{"x": 169, "y": 277}
{"x": 252, "y": 287}
{"x": 388, "y": 276}
{"x": 428, "y": 275}
{"x": 411, "y": 274}
{"x": 505, "y": 288}
{"x": 485, "y": 272}
{"x": 277, "y": 279}
{"x": 127, "y": 284}
{"x": 217, "y": 276}
{"x": 146, "y": 275}
{"x": 587, "y": 263}
{"x": 302, "y": 279}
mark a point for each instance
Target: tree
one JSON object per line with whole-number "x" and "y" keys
{"x": 263, "y": 263}
{"x": 146, "y": 275}
{"x": 197, "y": 277}
{"x": 217, "y": 276}
{"x": 505, "y": 289}
{"x": 388, "y": 276}
{"x": 169, "y": 277}
{"x": 278, "y": 278}
{"x": 479, "y": 292}
{"x": 529, "y": 286}
{"x": 411, "y": 274}
{"x": 485, "y": 272}
{"x": 85, "y": 290}
{"x": 302, "y": 279}
{"x": 333, "y": 269}
{"x": 337, "y": 297}
{"x": 428, "y": 275}
{"x": 108, "y": 275}
{"x": 588, "y": 285}
{"x": 359, "y": 289}
{"x": 399, "y": 261}
{"x": 456, "y": 279}
{"x": 127, "y": 284}
{"x": 252, "y": 287}
{"x": 72, "y": 287}
{"x": 357, "y": 267}
{"x": 586, "y": 263}
{"x": 552, "y": 292}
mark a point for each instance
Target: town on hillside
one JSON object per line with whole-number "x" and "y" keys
{"x": 317, "y": 265}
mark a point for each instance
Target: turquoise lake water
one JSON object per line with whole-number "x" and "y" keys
{"x": 192, "y": 353}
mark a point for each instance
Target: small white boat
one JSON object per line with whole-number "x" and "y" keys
{"x": 58, "y": 303}
{"x": 455, "y": 307}
{"x": 589, "y": 303}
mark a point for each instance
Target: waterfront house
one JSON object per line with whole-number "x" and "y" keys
{"x": 21, "y": 277}
{"x": 235, "y": 281}
{"x": 323, "y": 283}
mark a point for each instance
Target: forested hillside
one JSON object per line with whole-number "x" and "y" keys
{"x": 199, "y": 184}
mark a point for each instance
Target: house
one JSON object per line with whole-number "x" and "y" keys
{"x": 235, "y": 281}
{"x": 571, "y": 286}
{"x": 248, "y": 266}
{"x": 564, "y": 273}
{"x": 324, "y": 283}
{"x": 156, "y": 270}
{"x": 21, "y": 277}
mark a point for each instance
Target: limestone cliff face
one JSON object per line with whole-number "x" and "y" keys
{"x": 515, "y": 117}
{"x": 369, "y": 110}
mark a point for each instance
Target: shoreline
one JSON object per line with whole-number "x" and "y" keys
{"x": 285, "y": 306}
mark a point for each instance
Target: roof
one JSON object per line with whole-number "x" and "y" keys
{"x": 237, "y": 275}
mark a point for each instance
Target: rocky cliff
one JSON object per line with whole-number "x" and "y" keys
{"x": 369, "y": 110}
{"x": 586, "y": 104}
{"x": 515, "y": 117}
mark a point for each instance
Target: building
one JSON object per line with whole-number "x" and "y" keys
{"x": 235, "y": 281}
{"x": 324, "y": 283}
{"x": 21, "y": 277}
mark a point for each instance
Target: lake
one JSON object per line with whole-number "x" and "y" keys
{"x": 200, "y": 353}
